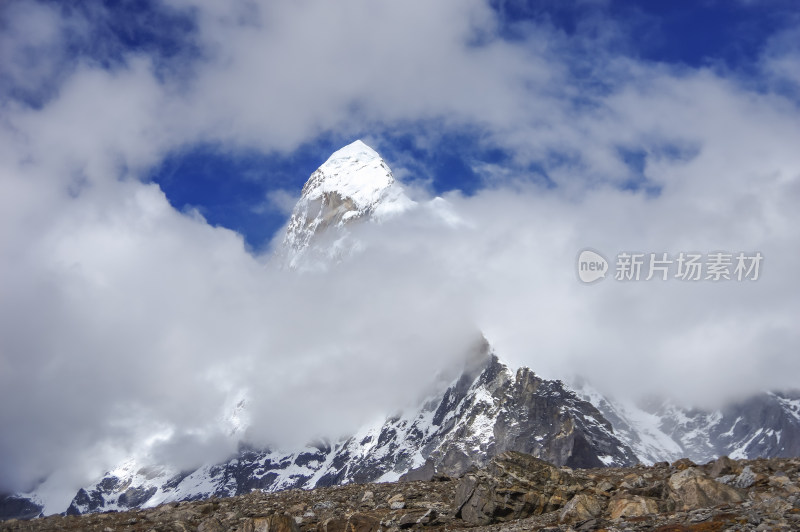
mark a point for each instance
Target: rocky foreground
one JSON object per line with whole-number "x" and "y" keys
{"x": 514, "y": 492}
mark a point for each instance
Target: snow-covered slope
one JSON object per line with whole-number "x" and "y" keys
{"x": 355, "y": 183}
{"x": 764, "y": 425}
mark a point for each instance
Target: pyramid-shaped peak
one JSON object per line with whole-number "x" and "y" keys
{"x": 355, "y": 150}
{"x": 355, "y": 172}
{"x": 355, "y": 183}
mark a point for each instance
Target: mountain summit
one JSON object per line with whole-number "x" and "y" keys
{"x": 355, "y": 183}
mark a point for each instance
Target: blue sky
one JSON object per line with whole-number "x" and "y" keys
{"x": 150, "y": 151}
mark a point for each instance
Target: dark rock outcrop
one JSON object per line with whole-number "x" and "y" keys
{"x": 14, "y": 506}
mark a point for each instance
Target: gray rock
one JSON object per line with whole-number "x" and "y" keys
{"x": 745, "y": 479}
{"x": 726, "y": 479}
{"x": 418, "y": 518}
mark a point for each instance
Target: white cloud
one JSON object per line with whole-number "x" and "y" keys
{"x": 279, "y": 200}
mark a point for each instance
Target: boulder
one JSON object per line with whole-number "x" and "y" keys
{"x": 368, "y": 499}
{"x": 581, "y": 508}
{"x": 691, "y": 489}
{"x": 417, "y": 518}
{"x": 774, "y": 505}
{"x": 632, "y": 506}
{"x": 513, "y": 486}
{"x": 745, "y": 479}
{"x": 475, "y": 500}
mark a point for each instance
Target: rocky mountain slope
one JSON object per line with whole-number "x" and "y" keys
{"x": 486, "y": 411}
{"x": 514, "y": 492}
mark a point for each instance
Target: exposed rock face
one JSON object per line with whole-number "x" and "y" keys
{"x": 19, "y": 507}
{"x": 567, "y": 431}
{"x": 487, "y": 411}
{"x": 515, "y": 492}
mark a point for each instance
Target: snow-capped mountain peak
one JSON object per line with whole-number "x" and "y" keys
{"x": 356, "y": 172}
{"x": 355, "y": 183}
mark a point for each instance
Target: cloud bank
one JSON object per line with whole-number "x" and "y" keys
{"x": 128, "y": 327}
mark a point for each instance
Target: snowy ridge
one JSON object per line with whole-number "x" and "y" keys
{"x": 765, "y": 425}
{"x": 636, "y": 427}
